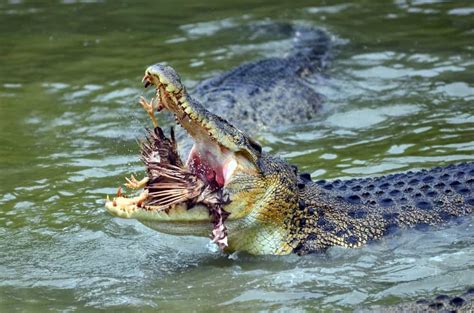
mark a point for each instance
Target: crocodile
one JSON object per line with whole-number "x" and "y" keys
{"x": 441, "y": 303}
{"x": 272, "y": 208}
{"x": 254, "y": 94}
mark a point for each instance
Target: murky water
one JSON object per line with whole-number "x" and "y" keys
{"x": 400, "y": 95}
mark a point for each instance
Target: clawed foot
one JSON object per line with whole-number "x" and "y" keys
{"x": 150, "y": 109}
{"x": 133, "y": 183}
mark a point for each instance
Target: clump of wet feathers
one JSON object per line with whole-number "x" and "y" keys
{"x": 169, "y": 182}
{"x": 157, "y": 148}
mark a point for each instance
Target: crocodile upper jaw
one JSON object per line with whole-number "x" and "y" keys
{"x": 219, "y": 152}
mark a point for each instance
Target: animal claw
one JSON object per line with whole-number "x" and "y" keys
{"x": 133, "y": 183}
{"x": 148, "y": 107}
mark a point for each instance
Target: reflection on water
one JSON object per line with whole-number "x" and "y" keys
{"x": 399, "y": 97}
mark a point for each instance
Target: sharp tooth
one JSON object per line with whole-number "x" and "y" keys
{"x": 188, "y": 110}
{"x": 182, "y": 99}
{"x": 163, "y": 80}
{"x": 173, "y": 98}
{"x": 170, "y": 88}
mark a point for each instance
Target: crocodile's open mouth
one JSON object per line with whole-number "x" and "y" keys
{"x": 175, "y": 192}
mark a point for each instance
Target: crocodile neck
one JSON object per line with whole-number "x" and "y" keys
{"x": 351, "y": 213}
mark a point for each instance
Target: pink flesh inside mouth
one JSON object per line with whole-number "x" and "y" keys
{"x": 209, "y": 167}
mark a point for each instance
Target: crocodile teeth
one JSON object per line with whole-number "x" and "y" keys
{"x": 188, "y": 110}
{"x": 163, "y": 80}
{"x": 170, "y": 88}
{"x": 174, "y": 99}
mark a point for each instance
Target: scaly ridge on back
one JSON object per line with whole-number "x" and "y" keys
{"x": 353, "y": 212}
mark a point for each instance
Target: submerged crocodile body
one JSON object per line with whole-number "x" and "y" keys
{"x": 255, "y": 94}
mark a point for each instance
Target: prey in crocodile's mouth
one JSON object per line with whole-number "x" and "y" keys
{"x": 191, "y": 191}
{"x": 209, "y": 159}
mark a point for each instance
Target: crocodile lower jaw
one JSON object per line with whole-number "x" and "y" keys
{"x": 130, "y": 208}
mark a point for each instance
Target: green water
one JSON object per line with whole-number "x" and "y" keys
{"x": 400, "y": 96}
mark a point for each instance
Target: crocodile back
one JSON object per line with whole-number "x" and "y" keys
{"x": 425, "y": 189}
{"x": 353, "y": 212}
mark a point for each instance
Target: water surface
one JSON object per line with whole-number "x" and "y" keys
{"x": 400, "y": 95}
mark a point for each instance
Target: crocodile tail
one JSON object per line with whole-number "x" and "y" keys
{"x": 311, "y": 47}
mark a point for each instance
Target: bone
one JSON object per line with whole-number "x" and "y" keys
{"x": 219, "y": 232}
